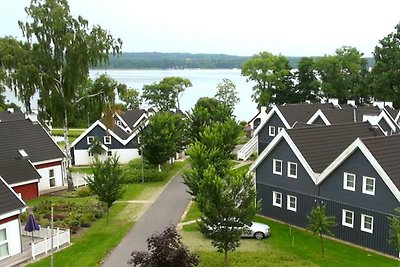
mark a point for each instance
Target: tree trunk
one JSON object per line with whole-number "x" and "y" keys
{"x": 67, "y": 153}
{"x": 322, "y": 245}
{"x": 226, "y": 258}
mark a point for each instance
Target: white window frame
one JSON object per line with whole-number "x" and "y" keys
{"x": 107, "y": 139}
{"x": 344, "y": 223}
{"x": 52, "y": 178}
{"x": 89, "y": 139}
{"x": 109, "y": 153}
{"x": 364, "y": 187}
{"x": 275, "y": 197}
{"x": 274, "y": 171}
{"x": 271, "y": 131}
{"x": 280, "y": 129}
{"x": 119, "y": 123}
{"x": 90, "y": 154}
{"x": 290, "y": 175}
{"x": 345, "y": 186}
{"x": 5, "y": 242}
{"x": 289, "y": 207}
{"x": 363, "y": 228}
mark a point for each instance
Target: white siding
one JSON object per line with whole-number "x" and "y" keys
{"x": 44, "y": 181}
{"x": 13, "y": 236}
{"x": 125, "y": 155}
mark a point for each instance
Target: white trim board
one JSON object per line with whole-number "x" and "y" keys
{"x": 358, "y": 144}
{"x": 274, "y": 110}
{"x": 283, "y": 135}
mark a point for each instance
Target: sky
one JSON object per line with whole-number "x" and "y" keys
{"x": 235, "y": 27}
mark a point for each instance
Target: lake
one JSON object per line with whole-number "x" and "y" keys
{"x": 204, "y": 84}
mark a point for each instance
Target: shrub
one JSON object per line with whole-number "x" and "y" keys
{"x": 84, "y": 192}
{"x": 151, "y": 175}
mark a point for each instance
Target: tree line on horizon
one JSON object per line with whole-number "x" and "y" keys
{"x": 157, "y": 60}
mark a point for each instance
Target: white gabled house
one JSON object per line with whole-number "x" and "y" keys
{"x": 121, "y": 140}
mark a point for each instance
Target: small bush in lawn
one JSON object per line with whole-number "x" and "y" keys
{"x": 86, "y": 220}
{"x": 84, "y": 192}
{"x": 152, "y": 175}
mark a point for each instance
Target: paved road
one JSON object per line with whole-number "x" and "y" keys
{"x": 166, "y": 210}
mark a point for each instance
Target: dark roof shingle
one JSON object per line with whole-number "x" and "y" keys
{"x": 320, "y": 145}
{"x": 386, "y": 151}
{"x": 8, "y": 200}
{"x": 30, "y": 136}
{"x": 301, "y": 112}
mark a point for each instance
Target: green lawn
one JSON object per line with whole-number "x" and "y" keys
{"x": 92, "y": 246}
{"x": 71, "y": 132}
{"x": 300, "y": 248}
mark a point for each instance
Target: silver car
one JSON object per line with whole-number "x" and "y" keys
{"x": 256, "y": 230}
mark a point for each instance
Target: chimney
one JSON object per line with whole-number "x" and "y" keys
{"x": 334, "y": 101}
{"x": 351, "y": 102}
{"x": 10, "y": 110}
{"x": 263, "y": 109}
{"x": 379, "y": 104}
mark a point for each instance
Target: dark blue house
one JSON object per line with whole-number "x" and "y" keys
{"x": 334, "y": 165}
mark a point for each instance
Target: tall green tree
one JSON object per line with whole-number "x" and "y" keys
{"x": 307, "y": 82}
{"x": 162, "y": 137}
{"x": 227, "y": 93}
{"x": 214, "y": 148}
{"x": 385, "y": 85}
{"x": 206, "y": 112}
{"x": 107, "y": 181}
{"x": 394, "y": 232}
{"x": 226, "y": 203}
{"x": 18, "y": 70}
{"x": 130, "y": 97}
{"x": 64, "y": 48}
{"x": 164, "y": 95}
{"x": 342, "y": 74}
{"x": 320, "y": 224}
{"x": 270, "y": 73}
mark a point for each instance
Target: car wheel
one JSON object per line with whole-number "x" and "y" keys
{"x": 258, "y": 235}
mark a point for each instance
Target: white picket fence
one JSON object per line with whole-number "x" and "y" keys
{"x": 60, "y": 237}
{"x": 79, "y": 178}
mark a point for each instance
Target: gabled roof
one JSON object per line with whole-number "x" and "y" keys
{"x": 301, "y": 112}
{"x": 320, "y": 145}
{"x": 131, "y": 117}
{"x": 349, "y": 115}
{"x": 11, "y": 115}
{"x": 316, "y": 147}
{"x": 381, "y": 152}
{"x": 9, "y": 201}
{"x": 30, "y": 136}
{"x": 392, "y": 112}
{"x": 386, "y": 151}
{"x": 120, "y": 139}
{"x": 16, "y": 169}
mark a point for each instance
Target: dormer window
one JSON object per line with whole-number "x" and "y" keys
{"x": 23, "y": 153}
{"x": 107, "y": 140}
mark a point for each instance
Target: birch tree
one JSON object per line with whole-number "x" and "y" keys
{"x": 64, "y": 48}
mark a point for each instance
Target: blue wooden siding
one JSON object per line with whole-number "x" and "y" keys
{"x": 99, "y": 133}
{"x": 378, "y": 240}
{"x": 319, "y": 121}
{"x": 263, "y": 135}
{"x": 332, "y": 187}
{"x": 299, "y": 217}
{"x": 385, "y": 126}
{"x": 303, "y": 183}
